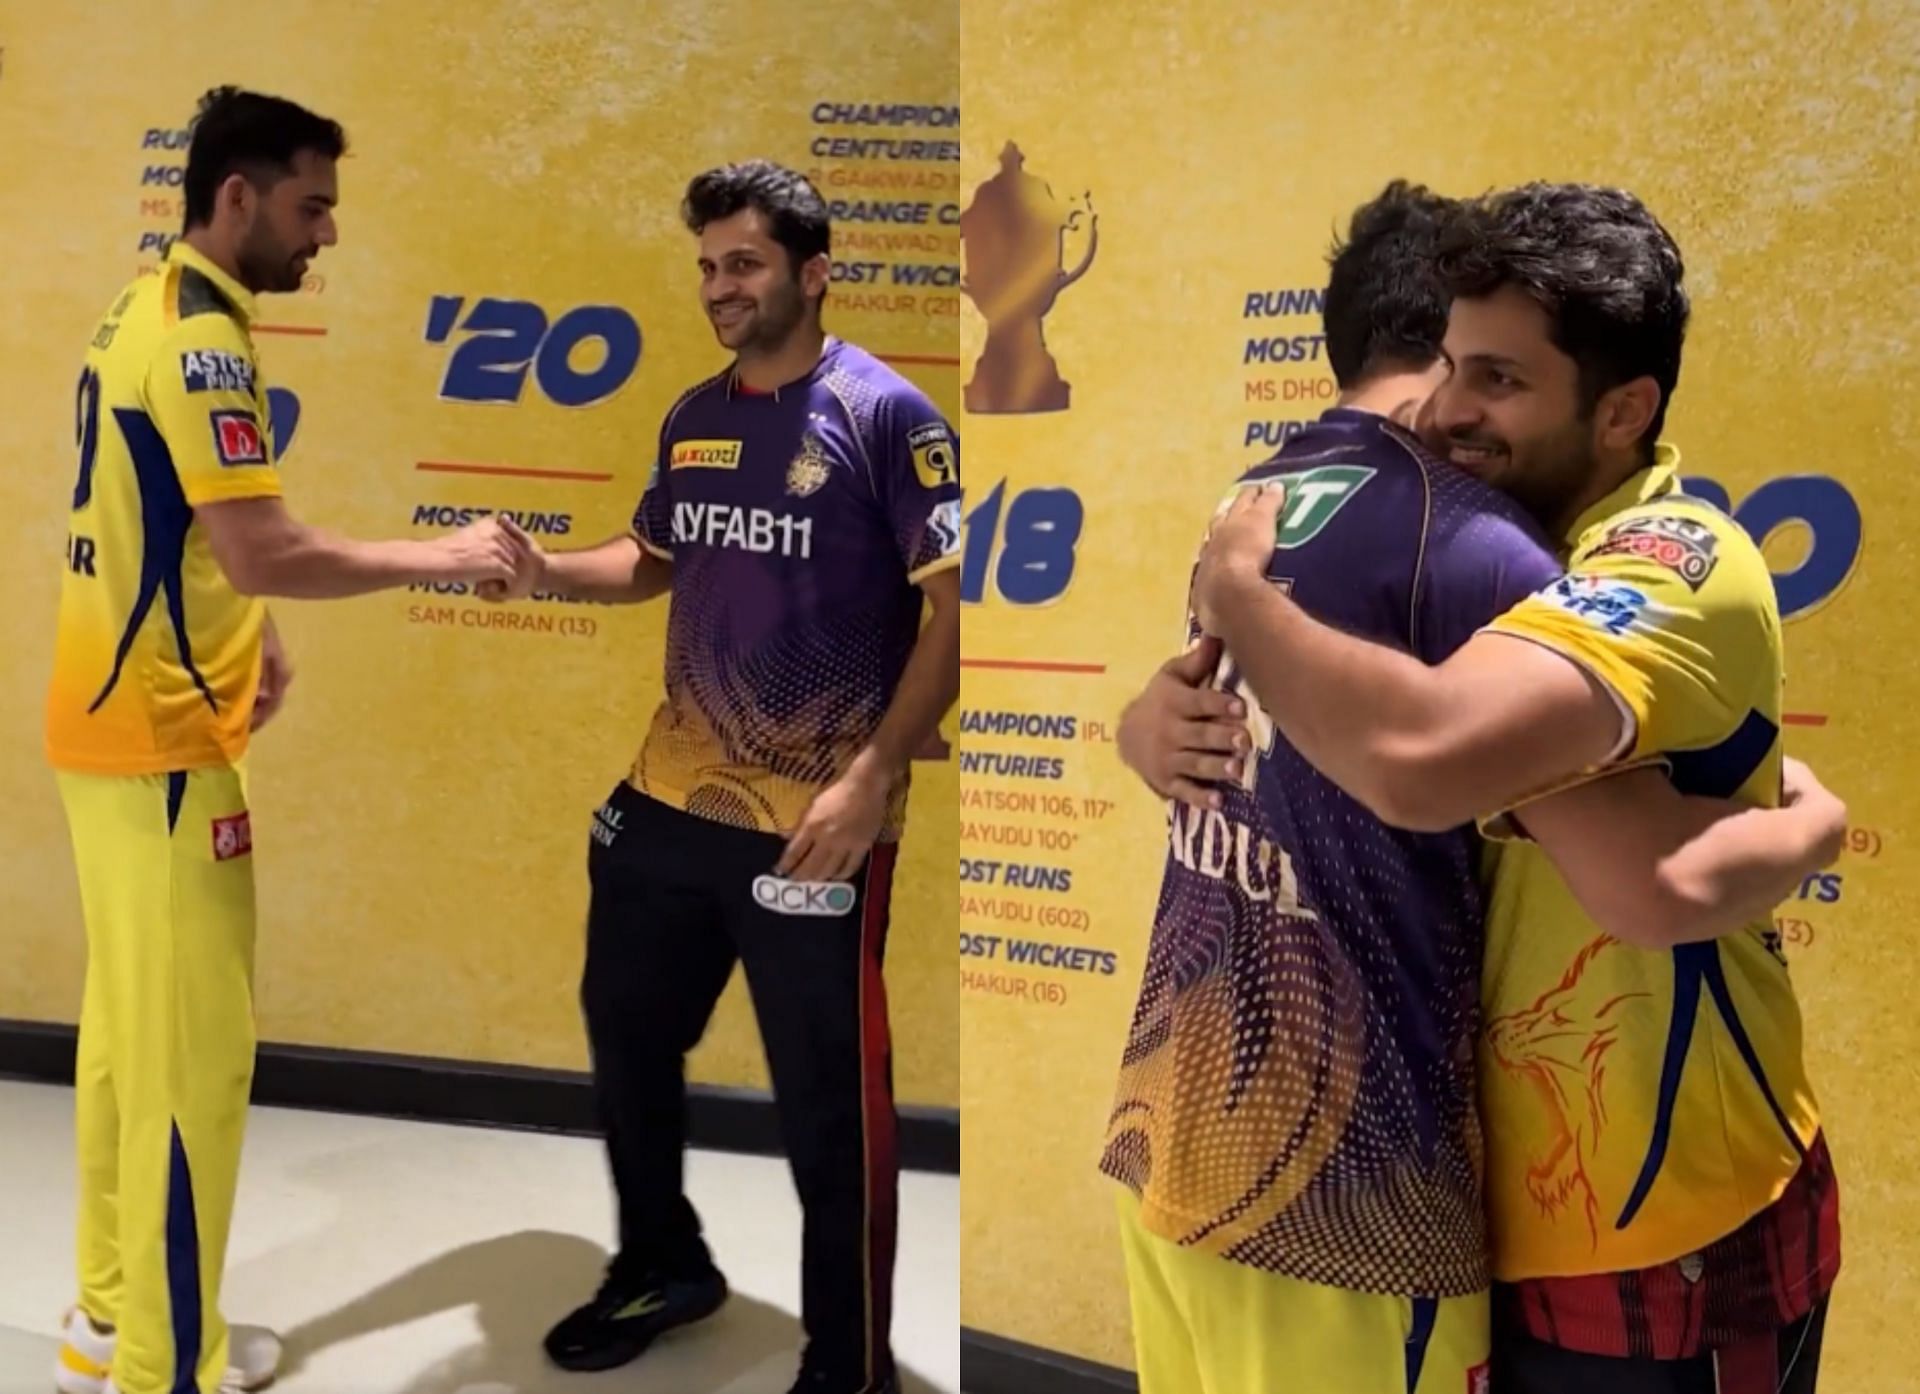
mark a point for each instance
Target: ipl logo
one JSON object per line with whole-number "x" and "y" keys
{"x": 1013, "y": 236}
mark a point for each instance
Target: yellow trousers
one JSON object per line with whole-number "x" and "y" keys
{"x": 165, "y": 1062}
{"x": 1206, "y": 1325}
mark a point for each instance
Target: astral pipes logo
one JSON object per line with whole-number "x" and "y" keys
{"x": 826, "y": 898}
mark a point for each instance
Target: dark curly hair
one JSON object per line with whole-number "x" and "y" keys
{"x": 241, "y": 132}
{"x": 1386, "y": 306}
{"x": 1608, "y": 275}
{"x": 793, "y": 208}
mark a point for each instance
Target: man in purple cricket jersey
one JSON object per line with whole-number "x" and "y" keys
{"x": 804, "y": 507}
{"x": 1297, "y": 1092}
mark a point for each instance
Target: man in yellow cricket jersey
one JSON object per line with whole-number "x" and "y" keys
{"x": 165, "y": 662}
{"x": 1664, "y": 1211}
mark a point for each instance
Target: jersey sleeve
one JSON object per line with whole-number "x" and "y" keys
{"x": 1472, "y": 578}
{"x": 653, "y": 518}
{"x": 202, "y": 392}
{"x": 917, "y": 479}
{"x": 1671, "y": 609}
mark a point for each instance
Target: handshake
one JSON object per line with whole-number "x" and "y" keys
{"x": 496, "y": 555}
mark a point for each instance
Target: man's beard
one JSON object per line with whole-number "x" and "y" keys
{"x": 267, "y": 266}
{"x": 1557, "y": 473}
{"x": 778, "y": 317}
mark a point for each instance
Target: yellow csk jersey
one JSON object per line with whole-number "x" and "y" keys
{"x": 1641, "y": 1104}
{"x": 157, "y": 659}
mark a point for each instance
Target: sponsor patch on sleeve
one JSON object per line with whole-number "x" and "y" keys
{"x": 944, "y": 526}
{"x": 216, "y": 370}
{"x": 1684, "y": 546}
{"x": 934, "y": 461}
{"x": 237, "y": 439}
{"x": 1613, "y": 607}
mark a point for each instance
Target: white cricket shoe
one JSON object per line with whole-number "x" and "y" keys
{"x": 86, "y": 1355}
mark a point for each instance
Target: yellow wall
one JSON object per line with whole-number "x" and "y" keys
{"x": 423, "y": 804}
{"x": 1221, "y": 145}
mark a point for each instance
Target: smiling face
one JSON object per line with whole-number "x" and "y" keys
{"x": 754, "y": 296}
{"x": 1510, "y": 411}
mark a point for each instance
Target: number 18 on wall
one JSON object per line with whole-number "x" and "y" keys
{"x": 1024, "y": 545}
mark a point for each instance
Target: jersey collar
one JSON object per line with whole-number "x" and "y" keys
{"x": 1656, "y": 481}
{"x": 828, "y": 348}
{"x": 181, "y": 254}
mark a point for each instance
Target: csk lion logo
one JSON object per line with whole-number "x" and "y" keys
{"x": 1559, "y": 1046}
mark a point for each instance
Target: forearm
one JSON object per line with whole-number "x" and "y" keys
{"x": 311, "y": 564}
{"x": 929, "y": 687}
{"x": 1360, "y": 713}
{"x": 618, "y": 572}
{"x": 1655, "y": 868}
{"x": 1739, "y": 866}
{"x": 1425, "y": 748}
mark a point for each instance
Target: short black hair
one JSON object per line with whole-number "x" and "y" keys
{"x": 241, "y": 132}
{"x": 1386, "y": 306}
{"x": 1608, "y": 275}
{"x": 793, "y": 208}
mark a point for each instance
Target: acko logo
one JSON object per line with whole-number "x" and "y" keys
{"x": 510, "y": 336}
{"x": 818, "y": 898}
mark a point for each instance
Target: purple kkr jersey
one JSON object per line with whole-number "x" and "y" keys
{"x": 1297, "y": 1088}
{"x": 799, "y": 523}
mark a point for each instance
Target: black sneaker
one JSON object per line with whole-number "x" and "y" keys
{"x": 625, "y": 1317}
{"x": 814, "y": 1381}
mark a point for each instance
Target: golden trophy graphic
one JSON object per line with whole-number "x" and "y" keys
{"x": 1013, "y": 236}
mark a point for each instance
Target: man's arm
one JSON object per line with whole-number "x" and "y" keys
{"x": 620, "y": 571}
{"x": 276, "y": 675}
{"x": 264, "y": 550}
{"x": 842, "y": 823}
{"x": 929, "y": 685}
{"x": 1656, "y": 868}
{"x": 1424, "y": 748}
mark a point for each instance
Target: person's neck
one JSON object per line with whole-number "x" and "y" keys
{"x": 1609, "y": 473}
{"x": 1395, "y": 396}
{"x": 202, "y": 240}
{"x": 793, "y": 360}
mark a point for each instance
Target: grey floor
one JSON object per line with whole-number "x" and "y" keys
{"x": 410, "y": 1258}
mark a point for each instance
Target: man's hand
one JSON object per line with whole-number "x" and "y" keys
{"x": 529, "y": 569}
{"x": 1179, "y": 735}
{"x": 1239, "y": 546}
{"x": 482, "y": 551}
{"x": 1800, "y": 790}
{"x": 276, "y": 676}
{"x": 839, "y": 828}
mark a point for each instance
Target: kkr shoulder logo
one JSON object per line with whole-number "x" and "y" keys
{"x": 817, "y": 898}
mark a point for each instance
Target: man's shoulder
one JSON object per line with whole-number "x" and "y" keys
{"x": 138, "y": 333}
{"x": 870, "y": 389}
{"x": 699, "y": 401}
{"x": 1700, "y": 545}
